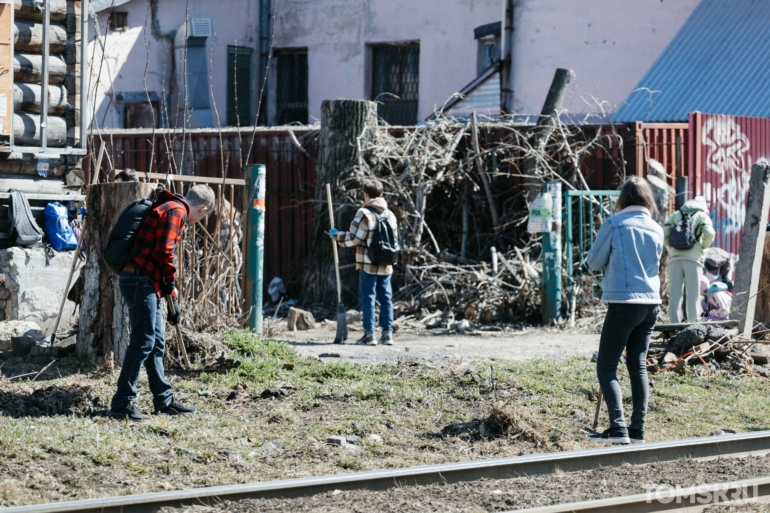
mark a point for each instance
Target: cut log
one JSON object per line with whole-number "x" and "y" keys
{"x": 343, "y": 122}
{"x": 26, "y": 130}
{"x": 27, "y": 97}
{"x": 16, "y": 164}
{"x": 29, "y": 10}
{"x": 27, "y": 186}
{"x": 103, "y": 328}
{"x": 28, "y": 37}
{"x": 29, "y": 68}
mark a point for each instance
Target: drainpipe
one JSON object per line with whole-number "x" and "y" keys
{"x": 168, "y": 36}
{"x": 506, "y": 70}
{"x": 265, "y": 14}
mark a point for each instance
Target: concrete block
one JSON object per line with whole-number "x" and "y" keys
{"x": 751, "y": 249}
{"x": 300, "y": 320}
{"x": 11, "y": 329}
{"x": 35, "y": 285}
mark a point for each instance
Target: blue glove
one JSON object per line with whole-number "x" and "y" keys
{"x": 332, "y": 233}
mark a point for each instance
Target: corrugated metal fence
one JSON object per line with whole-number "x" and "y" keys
{"x": 291, "y": 172}
{"x": 723, "y": 149}
{"x": 290, "y": 177}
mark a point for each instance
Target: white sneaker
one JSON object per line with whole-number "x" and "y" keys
{"x": 386, "y": 339}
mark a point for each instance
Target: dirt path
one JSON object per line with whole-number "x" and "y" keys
{"x": 533, "y": 343}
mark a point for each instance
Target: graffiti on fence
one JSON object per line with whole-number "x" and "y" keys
{"x": 728, "y": 159}
{"x": 728, "y": 146}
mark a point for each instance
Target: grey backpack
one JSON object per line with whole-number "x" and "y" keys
{"x": 24, "y": 230}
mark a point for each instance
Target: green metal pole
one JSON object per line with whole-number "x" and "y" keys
{"x": 552, "y": 259}
{"x": 256, "y": 177}
{"x": 570, "y": 256}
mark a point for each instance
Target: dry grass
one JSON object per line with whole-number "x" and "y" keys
{"x": 64, "y": 451}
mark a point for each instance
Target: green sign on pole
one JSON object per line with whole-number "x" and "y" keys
{"x": 256, "y": 177}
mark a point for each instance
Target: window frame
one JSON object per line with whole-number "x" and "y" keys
{"x": 371, "y": 82}
{"x": 233, "y": 52}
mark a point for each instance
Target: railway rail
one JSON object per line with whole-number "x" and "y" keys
{"x": 501, "y": 468}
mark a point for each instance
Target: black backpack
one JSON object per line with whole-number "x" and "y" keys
{"x": 385, "y": 246}
{"x": 683, "y": 234}
{"x": 118, "y": 251}
{"x": 24, "y": 230}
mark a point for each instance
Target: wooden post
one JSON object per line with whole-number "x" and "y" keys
{"x": 545, "y": 126}
{"x": 343, "y": 122}
{"x": 762, "y": 313}
{"x": 103, "y": 329}
{"x": 752, "y": 247}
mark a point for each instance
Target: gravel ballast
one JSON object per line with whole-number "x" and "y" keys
{"x": 517, "y": 493}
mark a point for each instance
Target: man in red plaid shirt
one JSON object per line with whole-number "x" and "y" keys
{"x": 149, "y": 275}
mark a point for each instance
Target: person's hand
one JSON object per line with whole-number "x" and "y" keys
{"x": 333, "y": 232}
{"x": 173, "y": 318}
{"x": 167, "y": 287}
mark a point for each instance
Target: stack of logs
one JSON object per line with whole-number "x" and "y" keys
{"x": 63, "y": 71}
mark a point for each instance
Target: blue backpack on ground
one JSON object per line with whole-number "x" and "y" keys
{"x": 57, "y": 227}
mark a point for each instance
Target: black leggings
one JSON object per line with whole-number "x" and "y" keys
{"x": 629, "y": 327}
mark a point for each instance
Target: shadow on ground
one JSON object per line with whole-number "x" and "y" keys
{"x": 49, "y": 401}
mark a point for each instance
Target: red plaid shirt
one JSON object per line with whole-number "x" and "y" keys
{"x": 158, "y": 237}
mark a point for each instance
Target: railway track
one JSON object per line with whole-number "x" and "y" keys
{"x": 502, "y": 468}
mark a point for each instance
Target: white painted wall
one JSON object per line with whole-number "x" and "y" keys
{"x": 336, "y": 33}
{"x": 609, "y": 44}
{"x": 235, "y": 22}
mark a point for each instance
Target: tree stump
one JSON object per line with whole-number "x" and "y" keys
{"x": 103, "y": 328}
{"x": 343, "y": 122}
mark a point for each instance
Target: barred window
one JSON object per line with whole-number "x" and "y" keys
{"x": 396, "y": 82}
{"x": 292, "y": 83}
{"x": 118, "y": 21}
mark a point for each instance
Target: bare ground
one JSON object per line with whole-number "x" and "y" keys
{"x": 270, "y": 419}
{"x": 442, "y": 345}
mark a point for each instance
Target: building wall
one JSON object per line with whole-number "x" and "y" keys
{"x": 336, "y": 33}
{"x": 235, "y": 22}
{"x": 609, "y": 44}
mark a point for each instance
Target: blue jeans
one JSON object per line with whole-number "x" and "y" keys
{"x": 629, "y": 327}
{"x": 371, "y": 287}
{"x": 146, "y": 345}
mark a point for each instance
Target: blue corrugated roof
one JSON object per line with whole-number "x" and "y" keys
{"x": 718, "y": 62}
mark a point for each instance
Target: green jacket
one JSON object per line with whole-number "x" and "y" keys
{"x": 701, "y": 224}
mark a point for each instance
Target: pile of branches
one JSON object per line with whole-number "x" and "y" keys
{"x": 458, "y": 201}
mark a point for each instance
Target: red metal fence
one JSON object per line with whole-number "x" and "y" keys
{"x": 291, "y": 173}
{"x": 290, "y": 177}
{"x": 658, "y": 141}
{"x": 722, "y": 151}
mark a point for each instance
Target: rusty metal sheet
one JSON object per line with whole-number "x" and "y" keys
{"x": 723, "y": 149}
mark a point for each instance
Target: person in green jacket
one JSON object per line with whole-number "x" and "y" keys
{"x": 686, "y": 265}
